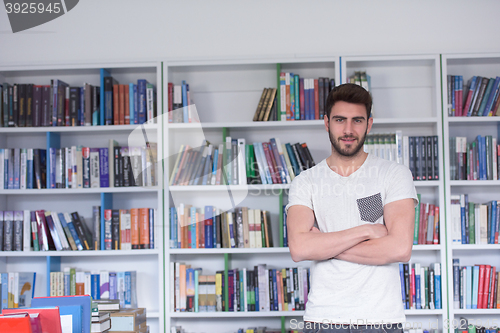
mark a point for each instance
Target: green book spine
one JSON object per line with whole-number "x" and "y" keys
{"x": 297, "y": 98}
{"x": 472, "y": 224}
{"x": 196, "y": 295}
{"x": 426, "y": 282}
{"x": 248, "y": 160}
{"x": 417, "y": 221}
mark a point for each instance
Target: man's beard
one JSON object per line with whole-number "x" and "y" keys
{"x": 348, "y": 152}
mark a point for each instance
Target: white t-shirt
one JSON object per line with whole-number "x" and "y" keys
{"x": 341, "y": 291}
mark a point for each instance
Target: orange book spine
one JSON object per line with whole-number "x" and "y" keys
{"x": 134, "y": 228}
{"x": 116, "y": 104}
{"x": 144, "y": 228}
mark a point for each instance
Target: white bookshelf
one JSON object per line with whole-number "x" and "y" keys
{"x": 481, "y": 191}
{"x": 406, "y": 92}
{"x": 147, "y": 263}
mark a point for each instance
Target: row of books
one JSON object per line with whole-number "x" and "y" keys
{"x": 210, "y": 227}
{"x": 78, "y": 167}
{"x": 476, "y": 160}
{"x": 420, "y": 286}
{"x": 180, "y": 105}
{"x": 474, "y": 223}
{"x": 257, "y": 289}
{"x": 419, "y": 153}
{"x": 426, "y": 230}
{"x": 236, "y": 163}
{"x": 303, "y": 98}
{"x": 465, "y": 326}
{"x": 101, "y": 285}
{"x": 58, "y": 104}
{"x": 16, "y": 289}
{"x": 475, "y": 287}
{"x": 479, "y": 97}
{"x": 41, "y": 230}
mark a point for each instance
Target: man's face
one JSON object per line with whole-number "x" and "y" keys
{"x": 348, "y": 127}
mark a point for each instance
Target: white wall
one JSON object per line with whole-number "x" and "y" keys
{"x": 152, "y": 29}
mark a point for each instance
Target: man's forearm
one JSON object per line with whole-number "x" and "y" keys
{"x": 321, "y": 246}
{"x": 380, "y": 251}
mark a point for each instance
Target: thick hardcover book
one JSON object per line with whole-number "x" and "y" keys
{"x": 109, "y": 82}
{"x": 260, "y": 104}
{"x": 115, "y": 229}
{"x": 94, "y": 168}
{"x": 108, "y": 229}
{"x": 142, "y": 107}
{"x": 29, "y": 104}
{"x": 267, "y": 107}
{"x": 86, "y": 167}
{"x": 74, "y": 105}
{"x": 82, "y": 231}
{"x": 103, "y": 167}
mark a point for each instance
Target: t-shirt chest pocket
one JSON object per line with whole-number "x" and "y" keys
{"x": 370, "y": 208}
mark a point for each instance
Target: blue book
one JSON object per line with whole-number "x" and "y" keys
{"x": 29, "y": 167}
{"x": 468, "y": 296}
{"x": 80, "y": 324}
{"x": 51, "y": 169}
{"x": 293, "y": 160}
{"x": 475, "y": 286}
{"x": 95, "y": 285}
{"x": 487, "y": 93}
{"x": 151, "y": 228}
{"x": 65, "y": 221}
{"x": 437, "y": 285}
{"x": 209, "y": 236}
{"x": 214, "y": 166}
{"x": 402, "y": 280}
{"x": 136, "y": 104}
{"x": 5, "y": 291}
{"x": 113, "y": 286}
{"x": 17, "y": 168}
{"x": 173, "y": 228}
{"x": 493, "y": 217}
{"x": 417, "y": 286}
{"x": 131, "y": 94}
{"x": 456, "y": 283}
{"x": 103, "y": 167}
{"x": 462, "y": 219}
{"x": 141, "y": 95}
{"x": 483, "y": 158}
{"x": 275, "y": 289}
{"x": 5, "y": 153}
{"x": 193, "y": 225}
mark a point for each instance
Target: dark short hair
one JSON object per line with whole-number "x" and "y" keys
{"x": 350, "y": 93}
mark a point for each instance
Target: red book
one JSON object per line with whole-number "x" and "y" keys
{"x": 430, "y": 224}
{"x": 121, "y": 104}
{"x": 316, "y": 99}
{"x": 302, "y": 101}
{"x": 424, "y": 213}
{"x": 287, "y": 99}
{"x": 50, "y": 319}
{"x": 16, "y": 322}
{"x": 492, "y": 287}
{"x": 170, "y": 102}
{"x": 271, "y": 163}
{"x": 436, "y": 225}
{"x": 486, "y": 286}
{"x": 468, "y": 101}
{"x": 116, "y": 104}
{"x": 480, "y": 293}
{"x": 412, "y": 289}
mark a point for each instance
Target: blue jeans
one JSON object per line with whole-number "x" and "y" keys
{"x": 310, "y": 327}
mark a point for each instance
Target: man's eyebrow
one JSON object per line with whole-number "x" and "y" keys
{"x": 342, "y": 117}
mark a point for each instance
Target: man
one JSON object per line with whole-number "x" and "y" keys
{"x": 353, "y": 216}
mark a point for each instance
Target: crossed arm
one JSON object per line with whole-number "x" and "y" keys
{"x": 369, "y": 244}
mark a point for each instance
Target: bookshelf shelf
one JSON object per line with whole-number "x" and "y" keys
{"x": 430, "y": 247}
{"x": 217, "y": 188}
{"x": 477, "y": 311}
{"x": 250, "y": 314}
{"x": 475, "y": 183}
{"x": 111, "y": 253}
{"x": 423, "y": 312}
{"x": 427, "y": 183}
{"x": 76, "y": 129}
{"x": 471, "y": 247}
{"x": 131, "y": 189}
{"x": 473, "y": 120}
{"x": 276, "y": 250}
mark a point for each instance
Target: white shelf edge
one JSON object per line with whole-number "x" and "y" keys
{"x": 215, "y": 188}
{"x": 474, "y": 182}
{"x": 232, "y": 251}
{"x": 475, "y": 247}
{"x": 494, "y": 119}
{"x": 423, "y": 312}
{"x": 296, "y": 123}
{"x": 424, "y": 183}
{"x": 238, "y": 314}
{"x": 429, "y": 247}
{"x": 476, "y": 311}
{"x": 131, "y": 189}
{"x": 76, "y": 129}
{"x": 92, "y": 253}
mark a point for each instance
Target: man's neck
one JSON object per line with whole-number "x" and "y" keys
{"x": 344, "y": 165}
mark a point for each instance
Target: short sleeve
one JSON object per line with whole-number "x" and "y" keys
{"x": 400, "y": 185}
{"x": 300, "y": 192}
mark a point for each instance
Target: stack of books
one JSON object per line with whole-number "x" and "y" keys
{"x": 479, "y": 97}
